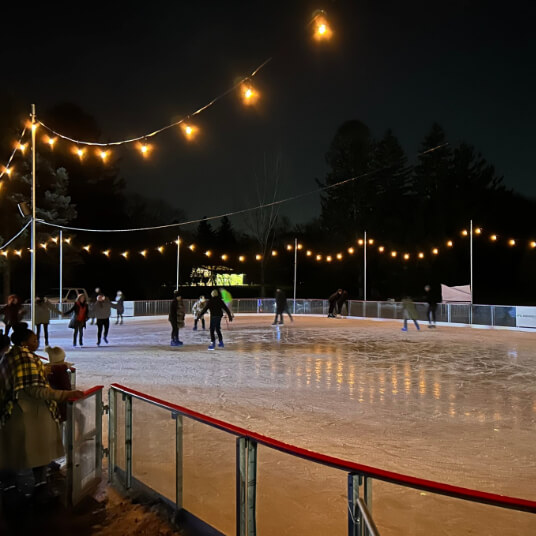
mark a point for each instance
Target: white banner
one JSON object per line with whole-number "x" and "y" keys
{"x": 526, "y": 317}
{"x": 461, "y": 293}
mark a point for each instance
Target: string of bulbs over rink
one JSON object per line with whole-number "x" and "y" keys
{"x": 455, "y": 405}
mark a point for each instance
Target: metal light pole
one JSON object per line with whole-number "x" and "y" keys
{"x": 365, "y": 267}
{"x": 471, "y": 269}
{"x": 61, "y": 268}
{"x": 295, "y": 271}
{"x": 32, "y": 246}
{"x": 178, "y": 258}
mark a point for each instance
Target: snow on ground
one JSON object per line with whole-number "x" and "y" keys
{"x": 457, "y": 405}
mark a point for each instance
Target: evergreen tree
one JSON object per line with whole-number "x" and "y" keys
{"x": 226, "y": 235}
{"x": 205, "y": 236}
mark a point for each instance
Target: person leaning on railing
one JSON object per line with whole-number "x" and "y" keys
{"x": 29, "y": 421}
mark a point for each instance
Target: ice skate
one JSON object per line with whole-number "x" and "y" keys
{"x": 211, "y": 346}
{"x": 179, "y": 343}
{"x": 404, "y": 329}
{"x": 106, "y": 340}
{"x": 220, "y": 344}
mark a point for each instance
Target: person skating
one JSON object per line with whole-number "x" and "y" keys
{"x": 91, "y": 304}
{"x": 102, "y": 311}
{"x": 342, "y": 302}
{"x": 43, "y": 309}
{"x": 196, "y": 309}
{"x": 432, "y": 306}
{"x": 281, "y": 306}
{"x": 120, "y": 307}
{"x": 217, "y": 307}
{"x": 79, "y": 311}
{"x": 13, "y": 312}
{"x": 409, "y": 312}
{"x": 333, "y": 302}
{"x": 176, "y": 318}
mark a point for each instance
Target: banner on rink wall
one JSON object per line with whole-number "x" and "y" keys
{"x": 461, "y": 293}
{"x": 526, "y": 317}
{"x": 129, "y": 308}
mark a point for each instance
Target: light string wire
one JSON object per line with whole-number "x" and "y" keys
{"x": 6, "y": 167}
{"x": 227, "y": 214}
{"x": 176, "y": 123}
{"x": 3, "y": 246}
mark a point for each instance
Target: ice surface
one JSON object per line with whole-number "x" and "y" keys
{"x": 456, "y": 405}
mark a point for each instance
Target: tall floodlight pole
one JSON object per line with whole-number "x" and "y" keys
{"x": 471, "y": 267}
{"x": 178, "y": 258}
{"x": 32, "y": 246}
{"x": 365, "y": 267}
{"x": 295, "y": 271}
{"x": 61, "y": 268}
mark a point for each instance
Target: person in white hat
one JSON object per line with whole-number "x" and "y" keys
{"x": 57, "y": 375}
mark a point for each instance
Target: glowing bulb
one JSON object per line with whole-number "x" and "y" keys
{"x": 22, "y": 147}
{"x": 249, "y": 94}
{"x": 258, "y": 257}
{"x": 224, "y": 257}
{"x": 208, "y": 253}
{"x": 143, "y": 253}
{"x": 406, "y": 256}
{"x": 493, "y": 237}
{"x": 478, "y": 230}
{"x": 339, "y": 256}
{"x": 34, "y": 126}
{"x": 18, "y": 252}
{"x": 43, "y": 245}
{"x": 191, "y": 247}
{"x": 87, "y": 248}
{"x": 421, "y": 255}
{"x": 80, "y": 152}
{"x": 319, "y": 257}
{"x": 449, "y": 243}
{"x": 351, "y": 251}
{"x": 160, "y": 249}
{"x": 464, "y": 232}
{"x": 360, "y": 242}
{"x": 103, "y": 155}
{"x": 381, "y": 249}
{"x": 289, "y": 247}
{"x": 144, "y": 148}
{"x": 8, "y": 171}
{"x": 274, "y": 253}
{"x": 4, "y": 252}
{"x": 309, "y": 253}
{"x": 300, "y": 246}
{"x": 189, "y": 131}
{"x": 435, "y": 251}
{"x": 328, "y": 258}
{"x": 106, "y": 252}
{"x": 50, "y": 141}
{"x": 55, "y": 239}
{"x": 371, "y": 241}
{"x": 241, "y": 258}
{"x": 393, "y": 254}
{"x": 533, "y": 244}
{"x": 124, "y": 254}
{"x": 67, "y": 240}
{"x": 322, "y": 31}
{"x": 511, "y": 242}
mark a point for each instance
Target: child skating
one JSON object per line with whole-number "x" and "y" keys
{"x": 409, "y": 311}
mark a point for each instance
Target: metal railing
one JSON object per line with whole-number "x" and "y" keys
{"x": 163, "y": 466}
{"x": 451, "y": 313}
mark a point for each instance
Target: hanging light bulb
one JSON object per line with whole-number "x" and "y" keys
{"x": 464, "y": 232}
{"x": 381, "y": 249}
{"x": 18, "y": 252}
{"x": 22, "y": 147}
{"x": 478, "y": 230}
{"x": 339, "y": 256}
{"x": 329, "y": 258}
{"x": 300, "y": 246}
{"x": 249, "y": 94}
{"x": 533, "y": 244}
{"x": 50, "y": 141}
{"x": 124, "y": 254}
{"x": 189, "y": 130}
{"x": 143, "y": 253}
{"x": 406, "y": 256}
{"x": 87, "y": 248}
{"x": 421, "y": 255}
{"x": 351, "y": 251}
{"x": 106, "y": 252}
{"x": 450, "y": 243}
{"x": 208, "y": 253}
{"x": 511, "y": 242}
{"x": 435, "y": 251}
{"x": 258, "y": 257}
{"x": 43, "y": 245}
{"x": 371, "y": 241}
{"x": 80, "y": 152}
{"x": 241, "y": 258}
{"x": 8, "y": 171}
{"x": 4, "y": 252}
{"x": 191, "y": 247}
{"x": 160, "y": 249}
{"x": 394, "y": 254}
{"x": 144, "y": 148}
{"x": 55, "y": 239}
{"x": 321, "y": 28}
{"x": 309, "y": 253}
{"x": 319, "y": 257}
{"x": 289, "y": 247}
{"x": 274, "y": 253}
{"x": 360, "y": 242}
{"x": 493, "y": 237}
{"x": 67, "y": 240}
{"x": 224, "y": 257}
{"x": 103, "y": 154}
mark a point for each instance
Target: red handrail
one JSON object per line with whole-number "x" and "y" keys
{"x": 503, "y": 501}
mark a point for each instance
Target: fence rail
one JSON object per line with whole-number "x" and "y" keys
{"x": 124, "y": 443}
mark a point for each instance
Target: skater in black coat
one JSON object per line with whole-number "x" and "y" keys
{"x": 333, "y": 302}
{"x": 281, "y": 307}
{"x": 216, "y": 307}
{"x": 342, "y": 301}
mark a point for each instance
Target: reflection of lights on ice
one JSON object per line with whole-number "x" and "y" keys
{"x": 512, "y": 353}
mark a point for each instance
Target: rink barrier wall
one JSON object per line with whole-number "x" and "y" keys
{"x": 359, "y": 476}
{"x": 505, "y": 316}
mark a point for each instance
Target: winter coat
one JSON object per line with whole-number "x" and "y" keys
{"x": 334, "y": 297}
{"x": 198, "y": 307}
{"x": 30, "y": 434}
{"x": 81, "y": 312}
{"x": 280, "y": 301}
{"x": 216, "y": 307}
{"x": 176, "y": 313}
{"x": 58, "y": 378}
{"x": 103, "y": 309}
{"x": 42, "y": 312}
{"x": 120, "y": 306}
{"x": 13, "y": 313}
{"x": 342, "y": 299}
{"x": 408, "y": 306}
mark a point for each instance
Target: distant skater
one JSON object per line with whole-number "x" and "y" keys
{"x": 43, "y": 308}
{"x": 80, "y": 312}
{"x": 409, "y": 312}
{"x": 196, "y": 309}
{"x": 281, "y": 306}
{"x": 13, "y": 312}
{"x": 102, "y": 311}
{"x": 333, "y": 302}
{"x": 342, "y": 302}
{"x": 432, "y": 306}
{"x": 176, "y": 318}
{"x": 120, "y": 307}
{"x": 217, "y": 307}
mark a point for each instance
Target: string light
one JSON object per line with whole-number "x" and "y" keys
{"x": 18, "y": 252}
{"x": 4, "y": 253}
{"x": 50, "y": 141}
{"x": 191, "y": 247}
{"x": 43, "y": 245}
{"x": 322, "y": 30}
{"x": 328, "y": 258}
{"x": 339, "y": 256}
{"x": 87, "y": 248}
{"x": 106, "y": 252}
{"x": 319, "y": 257}
{"x": 381, "y": 249}
{"x": 450, "y": 243}
{"x": 394, "y": 254}
{"x": 464, "y": 232}
{"x": 67, "y": 240}
{"x": 224, "y": 257}
{"x": 309, "y": 253}
{"x": 103, "y": 155}
{"x": 22, "y": 147}
{"x": 189, "y": 130}
{"x": 274, "y": 253}
{"x": 124, "y": 254}
{"x": 143, "y": 253}
{"x": 144, "y": 148}
{"x": 435, "y": 251}
{"x": 300, "y": 246}
{"x": 533, "y": 244}
{"x": 160, "y": 249}
{"x": 478, "y": 230}
{"x": 55, "y": 239}
{"x": 406, "y": 256}
{"x": 351, "y": 251}
{"x": 289, "y": 247}
{"x": 493, "y": 238}
{"x": 371, "y": 241}
{"x": 8, "y": 171}
{"x": 360, "y": 242}
{"x": 208, "y": 253}
{"x": 258, "y": 257}
{"x": 241, "y": 258}
{"x": 80, "y": 152}
{"x": 421, "y": 255}
{"x": 511, "y": 242}
{"x": 250, "y": 95}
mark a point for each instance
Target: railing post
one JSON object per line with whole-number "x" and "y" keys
{"x": 353, "y": 510}
{"x": 448, "y": 313}
{"x": 493, "y": 315}
{"x": 112, "y": 433}
{"x": 246, "y": 487}
{"x": 178, "y": 461}
{"x": 69, "y": 448}
{"x": 98, "y": 432}
{"x": 128, "y": 439}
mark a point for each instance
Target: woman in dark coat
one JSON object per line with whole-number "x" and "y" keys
{"x": 176, "y": 318}
{"x": 13, "y": 312}
{"x": 80, "y": 315}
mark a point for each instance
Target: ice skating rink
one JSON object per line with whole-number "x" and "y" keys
{"x": 452, "y": 404}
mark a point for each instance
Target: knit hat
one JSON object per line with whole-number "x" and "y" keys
{"x": 56, "y": 356}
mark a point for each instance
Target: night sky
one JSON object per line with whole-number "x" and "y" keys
{"x": 403, "y": 65}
